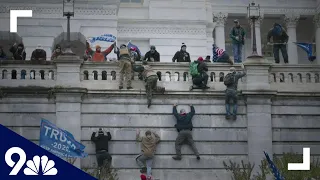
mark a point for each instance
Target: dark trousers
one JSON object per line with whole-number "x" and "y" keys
{"x": 231, "y": 98}
{"x": 201, "y": 80}
{"x": 151, "y": 86}
{"x": 103, "y": 157}
{"x": 283, "y": 49}
{"x": 185, "y": 137}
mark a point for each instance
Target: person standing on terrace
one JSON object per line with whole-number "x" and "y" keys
{"x": 182, "y": 55}
{"x": 98, "y": 55}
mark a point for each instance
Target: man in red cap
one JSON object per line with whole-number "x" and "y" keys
{"x": 199, "y": 73}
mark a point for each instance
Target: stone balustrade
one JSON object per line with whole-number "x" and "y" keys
{"x": 174, "y": 76}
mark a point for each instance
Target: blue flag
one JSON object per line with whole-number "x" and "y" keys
{"x": 23, "y": 159}
{"x": 307, "y": 47}
{"x": 130, "y": 45}
{"x": 275, "y": 170}
{"x": 59, "y": 142}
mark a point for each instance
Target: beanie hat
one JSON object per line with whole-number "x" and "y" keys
{"x": 183, "y": 45}
{"x": 200, "y": 58}
{"x": 153, "y": 47}
{"x": 143, "y": 177}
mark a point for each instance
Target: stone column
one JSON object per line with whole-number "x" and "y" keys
{"x": 68, "y": 95}
{"x": 209, "y": 41}
{"x": 291, "y": 21}
{"x": 258, "y": 95}
{"x": 220, "y": 20}
{"x": 258, "y": 22}
{"x": 316, "y": 20}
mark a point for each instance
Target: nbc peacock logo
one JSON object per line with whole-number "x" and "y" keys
{"x": 47, "y": 166}
{"x": 33, "y": 166}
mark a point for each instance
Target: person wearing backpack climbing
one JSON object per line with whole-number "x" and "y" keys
{"x": 151, "y": 78}
{"x": 198, "y": 71}
{"x": 280, "y": 39}
{"x": 182, "y": 55}
{"x": 231, "y": 81}
{"x": 220, "y": 55}
{"x": 237, "y": 36}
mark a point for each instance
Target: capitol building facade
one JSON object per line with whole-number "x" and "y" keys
{"x": 163, "y": 23}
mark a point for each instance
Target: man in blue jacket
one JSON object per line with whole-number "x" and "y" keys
{"x": 184, "y": 127}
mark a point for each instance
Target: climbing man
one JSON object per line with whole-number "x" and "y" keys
{"x": 198, "y": 71}
{"x": 149, "y": 144}
{"x": 231, "y": 81}
{"x": 151, "y": 79}
{"x": 125, "y": 63}
{"x": 184, "y": 127}
{"x": 101, "y": 142}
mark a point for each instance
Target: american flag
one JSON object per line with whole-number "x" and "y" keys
{"x": 275, "y": 170}
{"x": 219, "y": 52}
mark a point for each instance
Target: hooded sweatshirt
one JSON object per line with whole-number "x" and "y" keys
{"x": 149, "y": 145}
{"x": 18, "y": 54}
{"x": 98, "y": 56}
{"x": 184, "y": 121}
{"x": 278, "y": 34}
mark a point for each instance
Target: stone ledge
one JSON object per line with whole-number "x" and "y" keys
{"x": 6, "y": 62}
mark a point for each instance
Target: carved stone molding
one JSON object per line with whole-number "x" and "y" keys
{"x": 58, "y": 10}
{"x": 220, "y": 18}
{"x": 123, "y": 31}
{"x": 291, "y": 19}
{"x": 316, "y": 20}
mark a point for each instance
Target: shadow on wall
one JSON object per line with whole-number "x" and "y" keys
{"x": 78, "y": 42}
{"x": 7, "y": 39}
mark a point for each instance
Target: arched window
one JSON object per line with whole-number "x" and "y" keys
{"x": 23, "y": 74}
{"x": 85, "y": 75}
{"x": 291, "y": 77}
{"x": 299, "y": 78}
{"x": 13, "y": 74}
{"x": 42, "y": 74}
{"x": 282, "y": 79}
{"x": 51, "y": 75}
{"x": 114, "y": 75}
{"x": 316, "y": 78}
{"x": 104, "y": 75}
{"x": 221, "y": 77}
{"x": 4, "y": 74}
{"x": 212, "y": 77}
{"x": 308, "y": 78}
{"x": 185, "y": 76}
{"x": 159, "y": 75}
{"x": 168, "y": 76}
{"x": 32, "y": 74}
{"x": 176, "y": 76}
{"x": 95, "y": 75}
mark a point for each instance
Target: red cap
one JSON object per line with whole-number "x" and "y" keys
{"x": 143, "y": 177}
{"x": 200, "y": 58}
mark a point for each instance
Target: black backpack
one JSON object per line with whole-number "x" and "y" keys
{"x": 229, "y": 79}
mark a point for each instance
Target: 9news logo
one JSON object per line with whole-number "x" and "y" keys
{"x": 33, "y": 166}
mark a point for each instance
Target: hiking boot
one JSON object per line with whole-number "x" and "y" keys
{"x": 120, "y": 87}
{"x": 143, "y": 170}
{"x": 198, "y": 158}
{"x": 227, "y": 116}
{"x": 129, "y": 87}
{"x": 177, "y": 158}
{"x": 234, "y": 117}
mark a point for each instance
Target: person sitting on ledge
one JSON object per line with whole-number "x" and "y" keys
{"x": 198, "y": 71}
{"x": 149, "y": 144}
{"x": 39, "y": 54}
{"x": 151, "y": 79}
{"x": 18, "y": 51}
{"x": 184, "y": 127}
{"x": 182, "y": 55}
{"x": 98, "y": 55}
{"x": 152, "y": 55}
{"x": 231, "y": 81}
{"x": 3, "y": 55}
{"x": 57, "y": 52}
{"x": 101, "y": 142}
{"x": 220, "y": 55}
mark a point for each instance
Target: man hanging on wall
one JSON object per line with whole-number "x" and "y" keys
{"x": 184, "y": 127}
{"x": 98, "y": 55}
{"x": 237, "y": 36}
{"x": 149, "y": 144}
{"x": 125, "y": 64}
{"x": 151, "y": 79}
{"x": 152, "y": 55}
{"x": 182, "y": 55}
{"x": 231, "y": 81}
{"x": 280, "y": 40}
{"x": 101, "y": 142}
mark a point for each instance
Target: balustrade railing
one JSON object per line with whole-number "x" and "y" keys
{"x": 173, "y": 76}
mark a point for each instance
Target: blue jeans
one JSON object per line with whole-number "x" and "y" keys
{"x": 231, "y": 99}
{"x": 237, "y": 52}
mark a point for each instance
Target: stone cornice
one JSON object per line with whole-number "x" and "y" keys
{"x": 291, "y": 19}
{"x": 220, "y": 18}
{"x": 56, "y": 9}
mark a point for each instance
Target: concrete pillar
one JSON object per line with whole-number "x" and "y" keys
{"x": 210, "y": 27}
{"x": 316, "y": 20}
{"x": 291, "y": 20}
{"x": 209, "y": 41}
{"x": 220, "y": 20}
{"x": 258, "y": 23}
{"x": 258, "y": 99}
{"x": 68, "y": 95}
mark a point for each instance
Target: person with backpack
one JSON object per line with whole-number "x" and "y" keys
{"x": 220, "y": 55}
{"x": 184, "y": 127}
{"x": 231, "y": 81}
{"x": 198, "y": 71}
{"x": 280, "y": 40}
{"x": 237, "y": 36}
